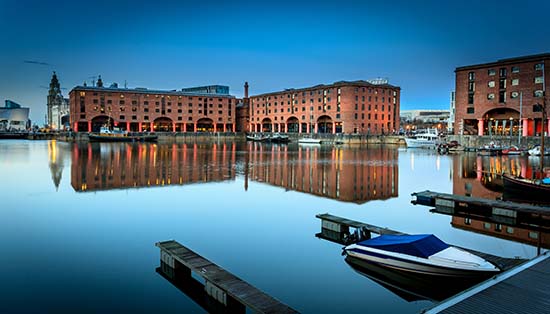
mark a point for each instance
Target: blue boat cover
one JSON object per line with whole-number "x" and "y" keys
{"x": 420, "y": 245}
{"x": 546, "y": 181}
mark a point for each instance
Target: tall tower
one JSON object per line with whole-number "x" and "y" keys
{"x": 245, "y": 89}
{"x": 54, "y": 94}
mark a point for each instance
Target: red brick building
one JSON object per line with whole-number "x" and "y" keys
{"x": 341, "y": 107}
{"x": 202, "y": 109}
{"x": 491, "y": 98}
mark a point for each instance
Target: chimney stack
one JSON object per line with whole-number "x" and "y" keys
{"x": 245, "y": 89}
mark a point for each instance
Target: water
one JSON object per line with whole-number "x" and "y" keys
{"x": 79, "y": 221}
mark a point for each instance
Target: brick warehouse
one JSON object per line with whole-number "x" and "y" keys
{"x": 489, "y": 97}
{"x": 342, "y": 107}
{"x": 199, "y": 109}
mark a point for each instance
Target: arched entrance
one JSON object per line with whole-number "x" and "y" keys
{"x": 501, "y": 121}
{"x": 100, "y": 121}
{"x": 293, "y": 125}
{"x": 266, "y": 125}
{"x": 162, "y": 125}
{"x": 324, "y": 124}
{"x": 205, "y": 125}
{"x": 65, "y": 121}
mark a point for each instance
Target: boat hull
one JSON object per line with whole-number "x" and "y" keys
{"x": 127, "y": 138}
{"x": 523, "y": 190}
{"x": 416, "y": 143}
{"x": 417, "y": 267}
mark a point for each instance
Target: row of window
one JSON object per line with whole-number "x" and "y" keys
{"x": 536, "y": 108}
{"x": 82, "y": 94}
{"x": 503, "y": 71}
{"x": 324, "y": 92}
{"x": 146, "y": 103}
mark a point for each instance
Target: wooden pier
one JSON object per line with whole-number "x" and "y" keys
{"x": 509, "y": 211}
{"x": 524, "y": 289}
{"x": 221, "y": 285}
{"x": 337, "y": 229}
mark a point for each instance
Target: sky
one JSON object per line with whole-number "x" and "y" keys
{"x": 271, "y": 44}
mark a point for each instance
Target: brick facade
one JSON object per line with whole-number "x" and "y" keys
{"x": 488, "y": 97}
{"x": 140, "y": 110}
{"x": 342, "y": 107}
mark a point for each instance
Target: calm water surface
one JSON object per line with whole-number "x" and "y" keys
{"x": 79, "y": 221}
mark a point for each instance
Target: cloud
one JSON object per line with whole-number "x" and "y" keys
{"x": 35, "y": 62}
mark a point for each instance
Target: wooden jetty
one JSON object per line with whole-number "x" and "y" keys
{"x": 221, "y": 285}
{"x": 337, "y": 229}
{"x": 485, "y": 207}
{"x": 524, "y": 289}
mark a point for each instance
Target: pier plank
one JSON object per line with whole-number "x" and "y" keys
{"x": 235, "y": 287}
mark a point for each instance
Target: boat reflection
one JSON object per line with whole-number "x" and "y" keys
{"x": 411, "y": 286}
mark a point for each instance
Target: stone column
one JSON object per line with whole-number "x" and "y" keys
{"x": 75, "y": 127}
{"x": 333, "y": 128}
{"x": 151, "y": 127}
{"x": 299, "y": 127}
{"x": 140, "y": 127}
{"x": 480, "y": 127}
{"x": 185, "y": 127}
{"x": 195, "y": 128}
{"x": 173, "y": 126}
{"x": 548, "y": 128}
{"x": 89, "y": 126}
{"x": 215, "y": 127}
{"x": 525, "y": 130}
{"x": 128, "y": 126}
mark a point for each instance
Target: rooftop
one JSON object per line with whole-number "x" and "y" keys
{"x": 335, "y": 84}
{"x": 141, "y": 90}
{"x": 529, "y": 58}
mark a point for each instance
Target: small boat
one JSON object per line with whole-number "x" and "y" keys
{"x": 535, "y": 151}
{"x": 309, "y": 140}
{"x": 423, "y": 139}
{"x": 257, "y": 138}
{"x": 512, "y": 150}
{"x": 526, "y": 190}
{"x": 422, "y": 254}
{"x": 412, "y": 286}
{"x": 117, "y": 135}
{"x": 279, "y": 138}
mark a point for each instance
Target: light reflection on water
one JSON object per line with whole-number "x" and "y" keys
{"x": 80, "y": 220}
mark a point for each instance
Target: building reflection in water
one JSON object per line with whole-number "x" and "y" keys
{"x": 104, "y": 166}
{"x": 480, "y": 177}
{"x": 347, "y": 174}
{"x": 56, "y": 164}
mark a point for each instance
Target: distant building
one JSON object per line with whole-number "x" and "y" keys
{"x": 58, "y": 107}
{"x": 210, "y": 89}
{"x": 502, "y": 97}
{"x": 452, "y": 112}
{"x": 368, "y": 107}
{"x": 13, "y": 117}
{"x": 425, "y": 116}
{"x": 200, "y": 109}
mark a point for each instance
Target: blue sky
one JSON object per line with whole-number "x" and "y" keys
{"x": 272, "y": 45}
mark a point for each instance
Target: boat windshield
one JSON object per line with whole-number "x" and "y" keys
{"x": 421, "y": 245}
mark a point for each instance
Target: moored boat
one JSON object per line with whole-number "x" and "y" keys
{"x": 423, "y": 254}
{"x": 526, "y": 190}
{"x": 116, "y": 135}
{"x": 512, "y": 150}
{"x": 279, "y": 138}
{"x": 428, "y": 138}
{"x": 308, "y": 140}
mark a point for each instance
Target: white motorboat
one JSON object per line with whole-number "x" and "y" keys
{"x": 535, "y": 151}
{"x": 423, "y": 254}
{"x": 308, "y": 140}
{"x": 428, "y": 138}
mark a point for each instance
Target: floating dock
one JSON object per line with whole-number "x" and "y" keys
{"x": 484, "y": 206}
{"x": 524, "y": 289}
{"x": 337, "y": 229}
{"x": 221, "y": 285}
